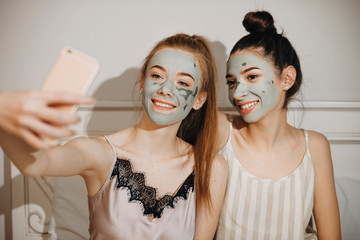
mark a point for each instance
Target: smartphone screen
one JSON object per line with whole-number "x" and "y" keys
{"x": 73, "y": 71}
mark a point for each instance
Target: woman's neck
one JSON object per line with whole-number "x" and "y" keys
{"x": 154, "y": 140}
{"x": 267, "y": 131}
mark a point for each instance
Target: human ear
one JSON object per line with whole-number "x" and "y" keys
{"x": 200, "y": 100}
{"x": 141, "y": 85}
{"x": 288, "y": 76}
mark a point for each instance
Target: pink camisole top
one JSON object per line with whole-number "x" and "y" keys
{"x": 125, "y": 208}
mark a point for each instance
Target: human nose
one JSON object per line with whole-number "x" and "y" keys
{"x": 241, "y": 91}
{"x": 166, "y": 89}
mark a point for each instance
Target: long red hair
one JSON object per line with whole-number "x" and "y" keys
{"x": 199, "y": 127}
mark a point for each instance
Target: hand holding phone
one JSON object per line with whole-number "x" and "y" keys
{"x": 72, "y": 72}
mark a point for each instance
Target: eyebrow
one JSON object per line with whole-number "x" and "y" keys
{"x": 243, "y": 71}
{"x": 187, "y": 74}
{"x": 249, "y": 69}
{"x": 181, "y": 73}
{"x": 160, "y": 67}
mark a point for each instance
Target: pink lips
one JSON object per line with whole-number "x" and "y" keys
{"x": 162, "y": 105}
{"x": 247, "y": 107}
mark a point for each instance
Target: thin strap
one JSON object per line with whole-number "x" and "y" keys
{"x": 228, "y": 141}
{"x": 231, "y": 128}
{"x": 230, "y": 117}
{"x": 110, "y": 170}
{"x": 306, "y": 139}
{"x": 229, "y": 137}
{"x": 114, "y": 157}
{"x": 112, "y": 146}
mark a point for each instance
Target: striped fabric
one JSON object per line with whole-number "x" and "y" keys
{"x": 256, "y": 208}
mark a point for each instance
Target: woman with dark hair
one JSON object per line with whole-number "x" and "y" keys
{"x": 279, "y": 176}
{"x": 148, "y": 181}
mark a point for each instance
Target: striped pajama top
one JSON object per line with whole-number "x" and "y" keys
{"x": 256, "y": 208}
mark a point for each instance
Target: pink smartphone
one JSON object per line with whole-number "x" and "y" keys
{"x": 73, "y": 71}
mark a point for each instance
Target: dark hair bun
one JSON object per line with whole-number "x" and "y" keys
{"x": 259, "y": 22}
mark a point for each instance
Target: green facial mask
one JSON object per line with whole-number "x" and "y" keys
{"x": 175, "y": 105}
{"x": 263, "y": 94}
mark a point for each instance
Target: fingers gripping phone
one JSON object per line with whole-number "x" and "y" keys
{"x": 73, "y": 71}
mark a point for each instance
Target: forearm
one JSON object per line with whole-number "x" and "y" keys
{"x": 207, "y": 217}
{"x": 326, "y": 211}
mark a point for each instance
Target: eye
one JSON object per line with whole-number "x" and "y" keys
{"x": 184, "y": 84}
{"x": 231, "y": 81}
{"x": 184, "y": 81}
{"x": 158, "y": 74}
{"x": 155, "y": 76}
{"x": 252, "y": 77}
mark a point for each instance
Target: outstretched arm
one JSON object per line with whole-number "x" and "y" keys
{"x": 82, "y": 156}
{"x": 62, "y": 160}
{"x": 31, "y": 116}
{"x": 207, "y": 217}
{"x": 326, "y": 209}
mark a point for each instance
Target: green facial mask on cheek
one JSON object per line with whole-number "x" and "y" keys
{"x": 179, "y": 100}
{"x": 264, "y": 92}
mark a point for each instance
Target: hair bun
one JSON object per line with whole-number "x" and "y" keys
{"x": 258, "y": 22}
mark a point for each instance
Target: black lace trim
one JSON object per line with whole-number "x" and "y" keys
{"x": 135, "y": 182}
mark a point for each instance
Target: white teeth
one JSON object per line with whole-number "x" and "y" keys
{"x": 246, "y": 106}
{"x": 163, "y": 105}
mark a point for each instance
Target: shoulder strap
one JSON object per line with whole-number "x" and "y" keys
{"x": 306, "y": 139}
{"x": 114, "y": 157}
{"x": 230, "y": 132}
{"x": 112, "y": 146}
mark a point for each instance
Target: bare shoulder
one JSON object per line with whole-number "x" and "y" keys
{"x": 91, "y": 147}
{"x": 226, "y": 118}
{"x": 87, "y": 142}
{"x": 219, "y": 167}
{"x": 318, "y": 143}
{"x": 317, "y": 139}
{"x": 222, "y": 118}
{"x": 223, "y": 130}
{"x": 319, "y": 149}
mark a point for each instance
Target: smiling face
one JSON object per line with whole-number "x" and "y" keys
{"x": 171, "y": 85}
{"x": 252, "y": 88}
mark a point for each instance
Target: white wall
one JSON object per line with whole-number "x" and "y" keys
{"x": 120, "y": 34}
